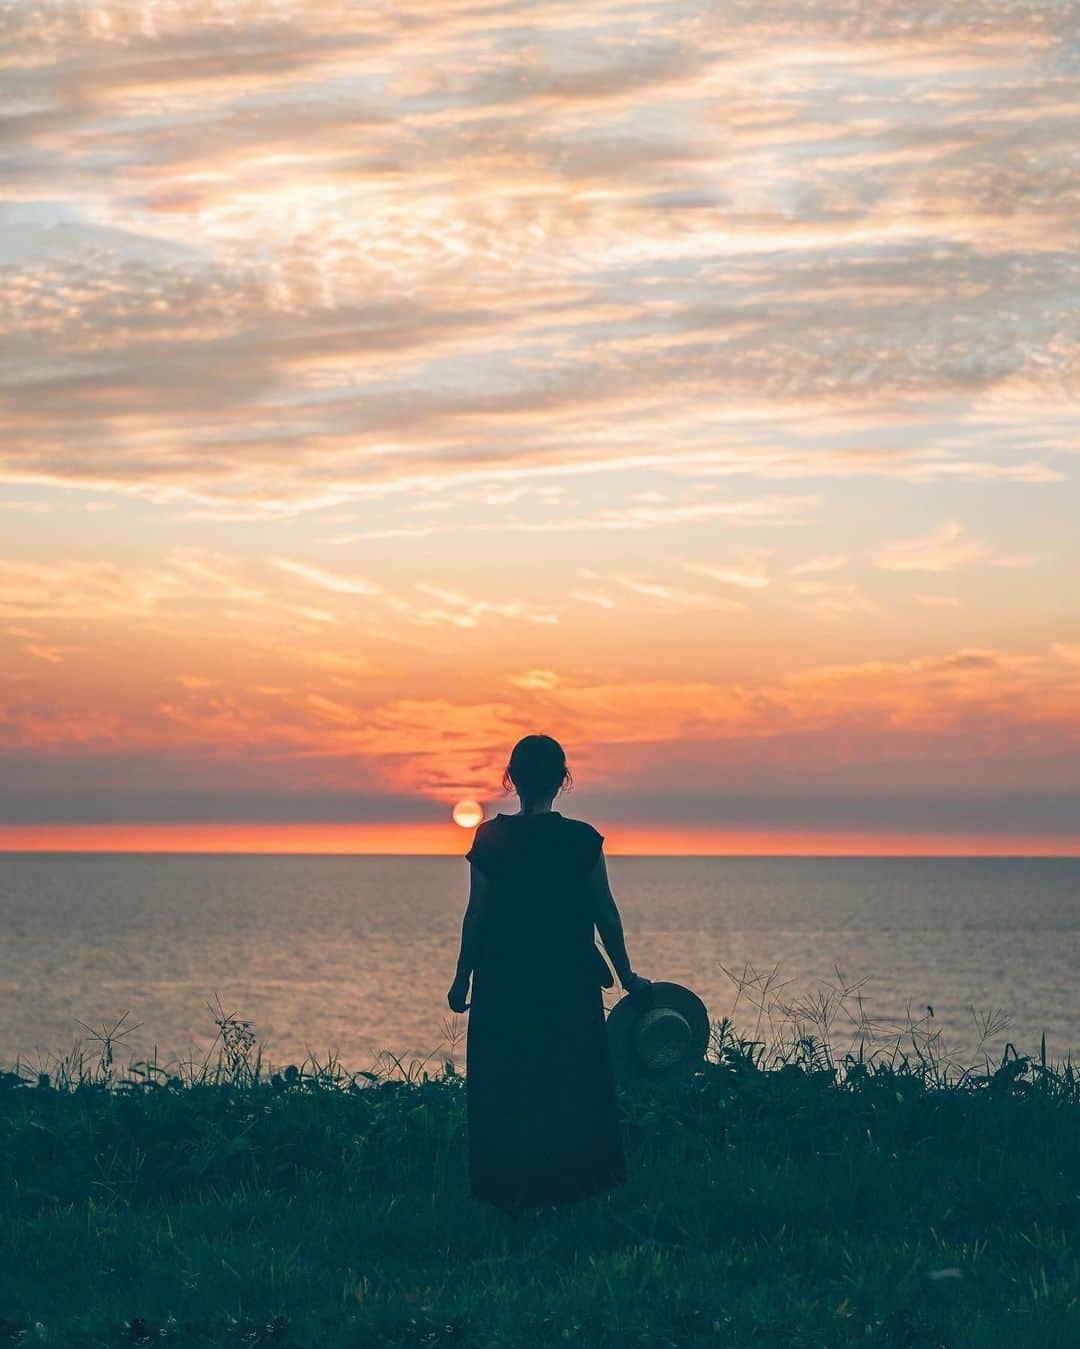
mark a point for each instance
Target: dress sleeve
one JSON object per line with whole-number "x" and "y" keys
{"x": 479, "y": 853}
{"x": 593, "y": 842}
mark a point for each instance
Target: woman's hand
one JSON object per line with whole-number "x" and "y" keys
{"x": 459, "y": 991}
{"x": 636, "y": 984}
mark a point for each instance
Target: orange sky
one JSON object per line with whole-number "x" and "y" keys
{"x": 697, "y": 386}
{"x": 450, "y": 840}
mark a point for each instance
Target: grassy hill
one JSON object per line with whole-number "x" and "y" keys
{"x": 787, "y": 1197}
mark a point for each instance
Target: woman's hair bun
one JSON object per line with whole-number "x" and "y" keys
{"x": 537, "y": 768}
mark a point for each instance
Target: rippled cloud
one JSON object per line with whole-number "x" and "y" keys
{"x": 414, "y": 238}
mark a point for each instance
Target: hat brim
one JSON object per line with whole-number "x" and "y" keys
{"x": 624, "y": 1015}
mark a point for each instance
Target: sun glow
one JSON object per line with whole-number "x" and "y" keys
{"x": 468, "y": 814}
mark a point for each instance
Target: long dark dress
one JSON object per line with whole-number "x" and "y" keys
{"x": 542, "y": 1112}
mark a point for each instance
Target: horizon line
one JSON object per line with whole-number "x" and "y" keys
{"x": 677, "y": 856}
{"x": 445, "y": 839}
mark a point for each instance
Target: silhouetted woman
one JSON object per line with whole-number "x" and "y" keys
{"x": 542, "y": 1117}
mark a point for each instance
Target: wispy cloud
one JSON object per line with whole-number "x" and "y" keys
{"x": 465, "y": 611}
{"x": 455, "y": 608}
{"x": 774, "y": 510}
{"x": 943, "y": 549}
{"x": 825, "y": 563}
{"x": 52, "y": 655}
{"x": 671, "y": 597}
{"x": 600, "y": 598}
{"x": 832, "y": 599}
{"x": 534, "y": 679}
{"x": 749, "y": 572}
{"x": 327, "y": 580}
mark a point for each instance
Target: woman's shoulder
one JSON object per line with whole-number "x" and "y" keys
{"x": 582, "y": 825}
{"x": 484, "y": 837}
{"x": 500, "y": 826}
{"x": 585, "y": 831}
{"x": 491, "y": 831}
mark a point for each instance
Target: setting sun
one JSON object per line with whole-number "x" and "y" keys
{"x": 468, "y": 814}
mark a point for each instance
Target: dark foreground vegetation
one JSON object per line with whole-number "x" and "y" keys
{"x": 779, "y": 1197}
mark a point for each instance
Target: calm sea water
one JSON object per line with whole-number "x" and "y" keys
{"x": 355, "y": 954}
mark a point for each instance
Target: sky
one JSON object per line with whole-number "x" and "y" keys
{"x": 694, "y": 382}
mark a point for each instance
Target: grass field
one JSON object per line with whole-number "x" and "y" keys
{"x": 785, "y": 1195}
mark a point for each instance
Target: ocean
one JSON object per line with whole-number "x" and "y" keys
{"x": 353, "y": 955}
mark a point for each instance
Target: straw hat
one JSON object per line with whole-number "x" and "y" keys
{"x": 661, "y": 1033}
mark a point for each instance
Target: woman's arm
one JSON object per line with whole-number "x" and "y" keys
{"x": 608, "y": 922}
{"x": 470, "y": 924}
{"x": 470, "y": 938}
